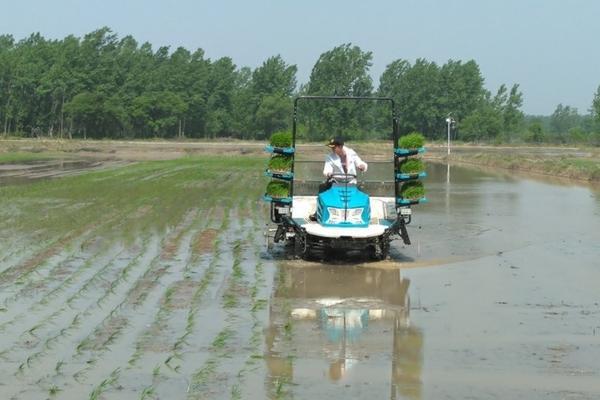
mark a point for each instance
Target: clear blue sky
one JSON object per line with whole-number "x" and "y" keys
{"x": 550, "y": 47}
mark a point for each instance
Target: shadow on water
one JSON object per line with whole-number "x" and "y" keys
{"x": 330, "y": 326}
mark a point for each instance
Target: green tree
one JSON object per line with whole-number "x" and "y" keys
{"x": 511, "y": 111}
{"x": 271, "y": 87}
{"x": 535, "y": 131}
{"x": 342, "y": 71}
{"x": 158, "y": 113}
{"x": 485, "y": 123}
{"x": 595, "y": 110}
{"x": 273, "y": 114}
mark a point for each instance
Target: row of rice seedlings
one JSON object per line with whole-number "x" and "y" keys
{"x": 65, "y": 283}
{"x": 111, "y": 381}
{"x": 203, "y": 376}
{"x": 123, "y": 275}
{"x": 165, "y": 303}
{"x": 33, "y": 301}
{"x": 21, "y": 272}
{"x": 133, "y": 297}
{"x": 110, "y": 290}
{"x": 237, "y": 272}
{"x": 16, "y": 274}
{"x": 225, "y": 222}
{"x": 132, "y": 359}
{"x": 18, "y": 247}
{"x": 31, "y": 331}
{"x": 76, "y": 274}
{"x": 207, "y": 278}
{"x": 231, "y": 295}
{"x": 78, "y": 190}
{"x": 280, "y": 385}
{"x": 87, "y": 238}
{"x": 254, "y": 344}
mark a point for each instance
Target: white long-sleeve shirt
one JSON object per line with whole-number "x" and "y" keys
{"x": 333, "y": 163}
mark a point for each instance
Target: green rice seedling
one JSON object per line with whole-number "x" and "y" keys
{"x": 259, "y": 304}
{"x": 105, "y": 384}
{"x": 201, "y": 377}
{"x": 412, "y": 141}
{"x": 147, "y": 393}
{"x": 236, "y": 392}
{"x": 413, "y": 190}
{"x": 412, "y": 166}
{"x": 281, "y": 139}
{"x": 278, "y": 189}
{"x": 287, "y": 327}
{"x": 21, "y": 369}
{"x": 53, "y": 391}
{"x": 280, "y": 163}
{"x": 221, "y": 340}
{"x": 229, "y": 300}
{"x": 58, "y": 367}
{"x": 32, "y": 330}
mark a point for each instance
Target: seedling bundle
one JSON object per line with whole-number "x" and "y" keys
{"x": 280, "y": 167}
{"x": 410, "y": 169}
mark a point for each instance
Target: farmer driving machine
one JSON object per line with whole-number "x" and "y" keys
{"x": 344, "y": 216}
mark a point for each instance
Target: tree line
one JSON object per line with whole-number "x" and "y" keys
{"x": 103, "y": 86}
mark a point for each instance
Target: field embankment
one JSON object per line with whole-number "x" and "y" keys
{"x": 580, "y": 163}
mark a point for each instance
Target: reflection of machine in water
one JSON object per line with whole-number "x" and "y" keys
{"x": 348, "y": 325}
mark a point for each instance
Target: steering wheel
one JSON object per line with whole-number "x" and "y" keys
{"x": 341, "y": 177}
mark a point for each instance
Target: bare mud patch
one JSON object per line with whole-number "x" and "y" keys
{"x": 180, "y": 295}
{"x": 205, "y": 241}
{"x": 104, "y": 335}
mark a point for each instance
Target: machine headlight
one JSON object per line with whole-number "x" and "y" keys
{"x": 339, "y": 215}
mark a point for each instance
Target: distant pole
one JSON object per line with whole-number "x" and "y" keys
{"x": 448, "y": 121}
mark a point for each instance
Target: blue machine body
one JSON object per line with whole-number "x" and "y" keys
{"x": 343, "y": 206}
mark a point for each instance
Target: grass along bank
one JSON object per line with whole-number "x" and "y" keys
{"x": 581, "y": 164}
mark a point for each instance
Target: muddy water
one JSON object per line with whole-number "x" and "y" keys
{"x": 496, "y": 298}
{"x": 26, "y": 172}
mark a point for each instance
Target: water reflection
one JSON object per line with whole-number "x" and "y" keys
{"x": 342, "y": 325}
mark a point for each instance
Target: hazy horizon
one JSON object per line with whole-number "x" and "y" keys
{"x": 545, "y": 46}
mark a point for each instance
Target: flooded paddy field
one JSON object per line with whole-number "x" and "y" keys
{"x": 150, "y": 280}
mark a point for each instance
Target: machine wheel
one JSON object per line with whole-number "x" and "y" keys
{"x": 381, "y": 250}
{"x": 300, "y": 247}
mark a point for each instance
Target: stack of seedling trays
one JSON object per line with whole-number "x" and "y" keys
{"x": 279, "y": 168}
{"x": 410, "y": 169}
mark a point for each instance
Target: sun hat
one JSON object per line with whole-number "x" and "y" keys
{"x": 335, "y": 141}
